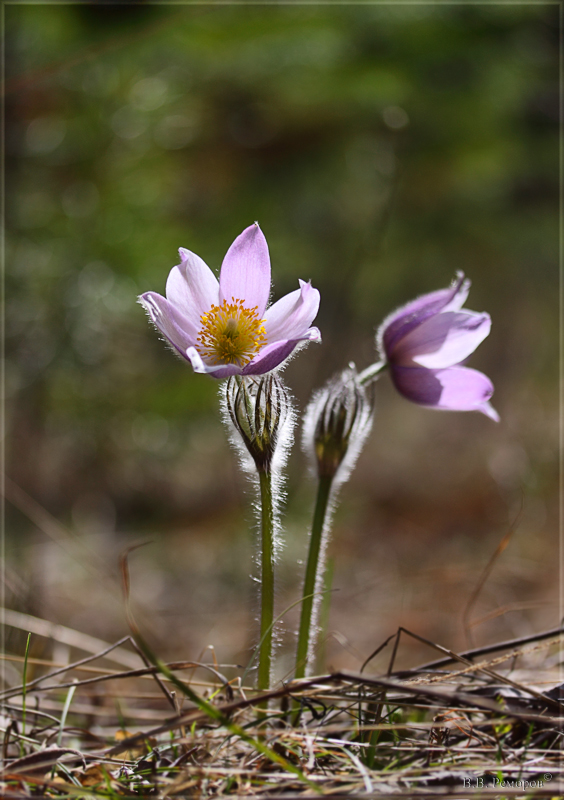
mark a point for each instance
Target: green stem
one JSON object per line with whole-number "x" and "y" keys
{"x": 267, "y": 580}
{"x": 320, "y": 513}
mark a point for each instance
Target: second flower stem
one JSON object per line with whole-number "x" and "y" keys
{"x": 267, "y": 581}
{"x": 312, "y": 569}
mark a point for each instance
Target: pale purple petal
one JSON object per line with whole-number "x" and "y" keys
{"x": 192, "y": 287}
{"x": 215, "y": 370}
{"x": 293, "y": 314}
{"x": 405, "y": 319}
{"x": 460, "y": 296}
{"x": 442, "y": 340}
{"x": 452, "y": 389}
{"x": 274, "y": 354}
{"x": 487, "y": 409}
{"x": 177, "y": 329}
{"x": 245, "y": 272}
{"x": 312, "y": 335}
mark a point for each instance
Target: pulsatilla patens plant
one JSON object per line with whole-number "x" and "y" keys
{"x": 226, "y": 329}
{"x": 423, "y": 345}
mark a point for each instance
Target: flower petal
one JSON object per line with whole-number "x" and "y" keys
{"x": 245, "y": 272}
{"x": 405, "y": 319}
{"x": 453, "y": 389}
{"x": 293, "y": 314}
{"x": 216, "y": 371}
{"x": 461, "y": 287}
{"x": 443, "y": 340}
{"x": 192, "y": 287}
{"x": 274, "y": 354}
{"x": 177, "y": 329}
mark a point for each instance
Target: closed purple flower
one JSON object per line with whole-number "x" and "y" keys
{"x": 224, "y": 327}
{"x": 425, "y": 344}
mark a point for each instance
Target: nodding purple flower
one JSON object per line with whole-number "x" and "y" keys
{"x": 224, "y": 327}
{"x": 425, "y": 343}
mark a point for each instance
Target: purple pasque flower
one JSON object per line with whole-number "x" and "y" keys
{"x": 425, "y": 343}
{"x": 224, "y": 327}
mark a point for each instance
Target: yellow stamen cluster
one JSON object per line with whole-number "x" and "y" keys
{"x": 231, "y": 333}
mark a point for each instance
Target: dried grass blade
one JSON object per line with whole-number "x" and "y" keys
{"x": 484, "y": 651}
{"x": 18, "y": 689}
{"x": 51, "y": 630}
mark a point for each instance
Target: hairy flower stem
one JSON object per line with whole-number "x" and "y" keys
{"x": 313, "y": 570}
{"x": 372, "y": 372}
{"x": 260, "y": 413}
{"x": 267, "y": 581}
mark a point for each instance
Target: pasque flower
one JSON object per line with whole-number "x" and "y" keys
{"x": 224, "y": 327}
{"x": 425, "y": 343}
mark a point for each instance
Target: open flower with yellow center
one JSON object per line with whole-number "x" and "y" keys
{"x": 224, "y": 327}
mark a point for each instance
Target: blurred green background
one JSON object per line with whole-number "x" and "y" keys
{"x": 381, "y": 149}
